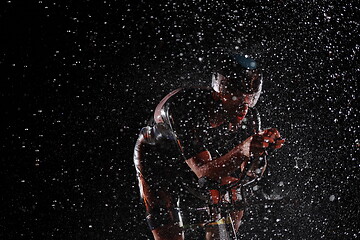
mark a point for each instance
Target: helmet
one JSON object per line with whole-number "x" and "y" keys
{"x": 238, "y": 73}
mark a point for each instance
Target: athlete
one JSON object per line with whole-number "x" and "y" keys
{"x": 200, "y": 148}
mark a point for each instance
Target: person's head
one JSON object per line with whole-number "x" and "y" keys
{"x": 238, "y": 83}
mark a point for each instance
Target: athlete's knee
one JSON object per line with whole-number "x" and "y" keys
{"x": 158, "y": 217}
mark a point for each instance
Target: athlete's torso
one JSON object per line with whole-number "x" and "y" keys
{"x": 187, "y": 115}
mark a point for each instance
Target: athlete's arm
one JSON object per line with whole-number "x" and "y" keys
{"x": 203, "y": 165}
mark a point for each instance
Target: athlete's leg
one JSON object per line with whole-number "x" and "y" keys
{"x": 161, "y": 215}
{"x": 168, "y": 232}
{"x": 163, "y": 218}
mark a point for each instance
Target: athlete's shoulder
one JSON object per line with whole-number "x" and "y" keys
{"x": 182, "y": 100}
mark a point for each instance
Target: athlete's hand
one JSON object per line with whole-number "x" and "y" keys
{"x": 269, "y": 139}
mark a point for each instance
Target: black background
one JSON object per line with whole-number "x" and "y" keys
{"x": 80, "y": 78}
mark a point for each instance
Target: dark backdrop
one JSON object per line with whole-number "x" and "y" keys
{"x": 80, "y": 78}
